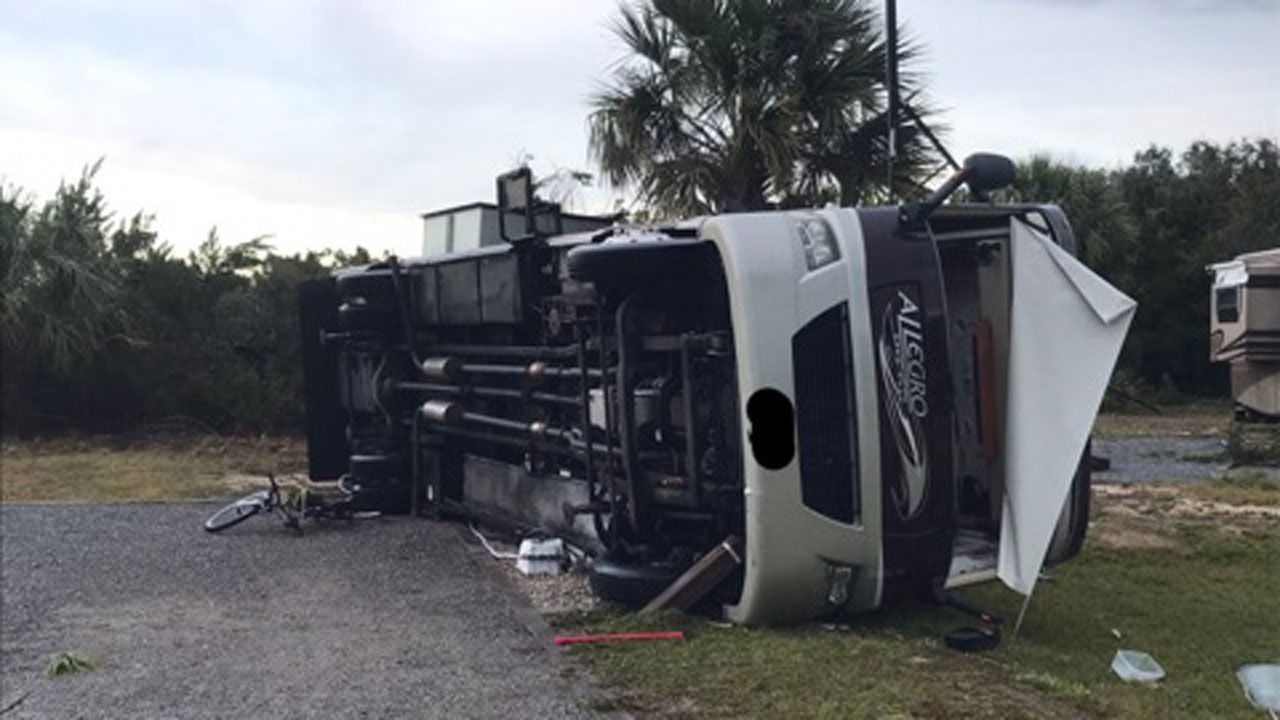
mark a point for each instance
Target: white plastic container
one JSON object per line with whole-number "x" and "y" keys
{"x": 1134, "y": 666}
{"x": 541, "y": 557}
{"x": 1261, "y": 685}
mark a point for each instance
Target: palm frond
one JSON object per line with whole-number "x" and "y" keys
{"x": 752, "y": 103}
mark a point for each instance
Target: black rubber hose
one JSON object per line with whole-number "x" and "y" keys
{"x": 950, "y": 599}
{"x": 403, "y": 303}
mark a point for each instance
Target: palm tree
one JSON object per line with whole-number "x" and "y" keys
{"x": 60, "y": 293}
{"x": 59, "y": 287}
{"x": 1093, "y": 199}
{"x": 733, "y": 105}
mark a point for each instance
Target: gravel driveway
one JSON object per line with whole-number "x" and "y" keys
{"x": 1161, "y": 459}
{"x": 383, "y": 618}
{"x": 1168, "y": 460}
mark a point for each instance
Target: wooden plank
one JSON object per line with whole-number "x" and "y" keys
{"x": 988, "y": 413}
{"x": 700, "y": 579}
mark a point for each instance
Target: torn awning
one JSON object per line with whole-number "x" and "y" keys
{"x": 1067, "y": 326}
{"x": 1229, "y": 274}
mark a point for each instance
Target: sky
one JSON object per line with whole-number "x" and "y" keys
{"x": 332, "y": 124}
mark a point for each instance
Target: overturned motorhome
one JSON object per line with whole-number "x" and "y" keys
{"x": 1244, "y": 330}
{"x": 858, "y": 400}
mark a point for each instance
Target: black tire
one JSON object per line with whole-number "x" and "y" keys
{"x": 375, "y": 467}
{"x": 630, "y": 585}
{"x": 636, "y": 263}
{"x": 348, "y": 485}
{"x": 1080, "y": 499}
{"x": 235, "y": 513}
{"x": 379, "y": 482}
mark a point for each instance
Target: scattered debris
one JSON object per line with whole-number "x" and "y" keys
{"x": 62, "y": 663}
{"x": 566, "y": 592}
{"x": 1135, "y": 666}
{"x": 489, "y": 546}
{"x": 541, "y": 557}
{"x": 701, "y": 578}
{"x": 973, "y": 639}
{"x": 1261, "y": 684}
{"x": 617, "y": 637}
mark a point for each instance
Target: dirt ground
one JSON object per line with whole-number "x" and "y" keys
{"x": 1147, "y": 516}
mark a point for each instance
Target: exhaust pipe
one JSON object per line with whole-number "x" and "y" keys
{"x": 442, "y": 412}
{"x": 445, "y": 368}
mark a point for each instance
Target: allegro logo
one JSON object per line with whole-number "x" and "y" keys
{"x": 903, "y": 382}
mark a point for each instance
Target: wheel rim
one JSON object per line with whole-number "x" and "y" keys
{"x": 234, "y": 513}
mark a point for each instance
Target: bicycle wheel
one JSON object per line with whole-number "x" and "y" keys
{"x": 237, "y": 512}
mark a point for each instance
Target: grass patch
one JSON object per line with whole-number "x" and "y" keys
{"x": 1248, "y": 487}
{"x": 1202, "y": 609}
{"x": 96, "y": 470}
{"x": 1050, "y": 683}
{"x": 64, "y": 663}
{"x": 873, "y": 672}
{"x": 1205, "y": 420}
{"x": 1254, "y": 444}
{"x": 1213, "y": 458}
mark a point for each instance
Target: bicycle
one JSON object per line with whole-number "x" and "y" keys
{"x": 296, "y": 505}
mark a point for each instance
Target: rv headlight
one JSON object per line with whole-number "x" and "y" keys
{"x": 818, "y": 241}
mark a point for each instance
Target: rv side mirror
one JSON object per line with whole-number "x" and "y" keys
{"x": 515, "y": 190}
{"x": 985, "y": 172}
{"x": 982, "y": 172}
{"x": 515, "y": 202}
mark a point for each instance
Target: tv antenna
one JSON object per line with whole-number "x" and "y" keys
{"x": 894, "y": 102}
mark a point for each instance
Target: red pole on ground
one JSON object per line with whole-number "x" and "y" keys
{"x": 617, "y": 637}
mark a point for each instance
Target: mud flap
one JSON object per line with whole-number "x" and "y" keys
{"x": 326, "y": 419}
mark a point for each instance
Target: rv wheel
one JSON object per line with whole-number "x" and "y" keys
{"x": 630, "y": 585}
{"x": 1245, "y": 414}
{"x": 375, "y": 467}
{"x": 637, "y": 262}
{"x": 378, "y": 483}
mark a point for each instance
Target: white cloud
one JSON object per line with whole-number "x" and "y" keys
{"x": 381, "y": 109}
{"x": 188, "y": 204}
{"x": 331, "y": 123}
{"x": 1096, "y": 80}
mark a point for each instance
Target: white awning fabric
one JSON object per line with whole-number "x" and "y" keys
{"x": 1229, "y": 274}
{"x": 1067, "y": 326}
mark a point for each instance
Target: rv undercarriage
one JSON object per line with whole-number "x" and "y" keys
{"x": 578, "y": 394}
